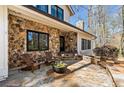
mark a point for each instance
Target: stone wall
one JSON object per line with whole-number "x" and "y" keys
{"x": 70, "y": 42}
{"x": 17, "y": 37}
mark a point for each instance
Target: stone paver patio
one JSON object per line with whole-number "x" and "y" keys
{"x": 79, "y": 74}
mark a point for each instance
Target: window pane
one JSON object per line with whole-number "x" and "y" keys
{"x": 54, "y": 10}
{"x": 89, "y": 44}
{"x": 85, "y": 44}
{"x": 43, "y": 8}
{"x": 60, "y": 13}
{"x": 82, "y": 44}
{"x": 32, "y": 41}
{"x": 43, "y": 41}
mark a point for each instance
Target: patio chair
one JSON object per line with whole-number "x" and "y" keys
{"x": 31, "y": 62}
{"x": 17, "y": 63}
{"x": 28, "y": 62}
{"x": 49, "y": 58}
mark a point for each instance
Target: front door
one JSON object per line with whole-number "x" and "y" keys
{"x": 62, "y": 43}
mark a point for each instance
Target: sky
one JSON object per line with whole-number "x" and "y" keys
{"x": 82, "y": 14}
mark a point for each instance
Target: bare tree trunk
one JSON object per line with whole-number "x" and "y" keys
{"x": 122, "y": 37}
{"x": 90, "y": 19}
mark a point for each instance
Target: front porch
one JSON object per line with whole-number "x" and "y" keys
{"x": 18, "y": 20}
{"x": 17, "y": 34}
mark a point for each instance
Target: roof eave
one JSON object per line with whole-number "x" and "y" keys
{"x": 66, "y": 23}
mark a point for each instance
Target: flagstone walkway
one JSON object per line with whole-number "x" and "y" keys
{"x": 117, "y": 71}
{"x": 79, "y": 74}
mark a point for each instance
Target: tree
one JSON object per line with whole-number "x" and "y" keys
{"x": 122, "y": 37}
{"x": 97, "y": 23}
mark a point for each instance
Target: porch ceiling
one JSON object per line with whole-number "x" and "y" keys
{"x": 46, "y": 19}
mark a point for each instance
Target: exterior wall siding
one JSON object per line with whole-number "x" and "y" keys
{"x": 80, "y": 51}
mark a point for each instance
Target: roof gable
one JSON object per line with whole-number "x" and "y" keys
{"x": 70, "y": 9}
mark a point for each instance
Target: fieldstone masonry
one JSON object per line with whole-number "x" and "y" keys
{"x": 17, "y": 37}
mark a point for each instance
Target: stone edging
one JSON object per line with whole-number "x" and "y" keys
{"x": 109, "y": 72}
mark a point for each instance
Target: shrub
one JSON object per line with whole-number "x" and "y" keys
{"x": 106, "y": 51}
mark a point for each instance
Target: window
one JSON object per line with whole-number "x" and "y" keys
{"x": 54, "y": 10}
{"x": 37, "y": 41}
{"x": 43, "y": 8}
{"x": 43, "y": 41}
{"x": 85, "y": 44}
{"x": 60, "y": 13}
{"x": 32, "y": 41}
{"x": 57, "y": 12}
{"x": 89, "y": 44}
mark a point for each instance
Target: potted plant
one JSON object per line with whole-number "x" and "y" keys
{"x": 59, "y": 67}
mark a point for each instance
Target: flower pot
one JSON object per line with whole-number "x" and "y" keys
{"x": 59, "y": 69}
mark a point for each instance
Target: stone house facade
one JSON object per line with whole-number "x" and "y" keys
{"x": 17, "y": 20}
{"x": 17, "y": 36}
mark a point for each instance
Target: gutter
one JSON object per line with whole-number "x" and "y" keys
{"x": 64, "y": 22}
